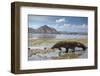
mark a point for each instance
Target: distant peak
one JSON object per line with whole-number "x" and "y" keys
{"x": 44, "y": 29}
{"x": 45, "y": 26}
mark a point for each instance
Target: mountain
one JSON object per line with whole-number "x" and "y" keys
{"x": 43, "y": 29}
{"x": 50, "y": 30}
{"x": 46, "y": 29}
{"x": 31, "y": 30}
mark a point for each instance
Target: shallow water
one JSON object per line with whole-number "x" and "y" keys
{"x": 50, "y": 55}
{"x": 57, "y": 36}
{"x": 55, "y": 53}
{"x": 45, "y": 56}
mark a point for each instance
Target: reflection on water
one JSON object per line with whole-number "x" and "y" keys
{"x": 57, "y": 36}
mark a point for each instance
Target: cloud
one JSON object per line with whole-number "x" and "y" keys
{"x": 67, "y": 25}
{"x": 60, "y": 20}
{"x": 83, "y": 26}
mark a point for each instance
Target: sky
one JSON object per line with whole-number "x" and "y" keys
{"x": 60, "y": 23}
